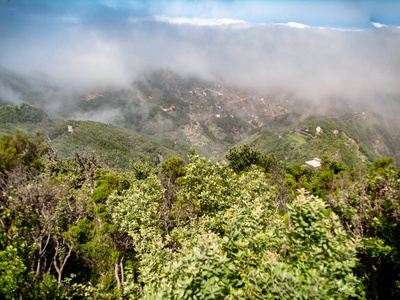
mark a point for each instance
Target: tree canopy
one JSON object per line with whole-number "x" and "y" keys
{"x": 248, "y": 228}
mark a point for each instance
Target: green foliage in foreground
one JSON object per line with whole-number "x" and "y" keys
{"x": 76, "y": 229}
{"x": 18, "y": 149}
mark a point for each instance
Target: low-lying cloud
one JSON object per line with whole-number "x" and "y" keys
{"x": 309, "y": 63}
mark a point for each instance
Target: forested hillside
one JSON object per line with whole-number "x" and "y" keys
{"x": 183, "y": 113}
{"x": 358, "y": 138}
{"x": 251, "y": 227}
{"x": 113, "y": 144}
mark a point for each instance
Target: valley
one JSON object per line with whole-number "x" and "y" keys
{"x": 165, "y": 115}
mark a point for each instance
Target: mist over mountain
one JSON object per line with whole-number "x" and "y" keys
{"x": 205, "y": 74}
{"x": 80, "y": 48}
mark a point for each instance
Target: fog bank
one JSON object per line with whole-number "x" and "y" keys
{"x": 108, "y": 47}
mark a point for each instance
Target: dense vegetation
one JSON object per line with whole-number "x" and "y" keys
{"x": 249, "y": 228}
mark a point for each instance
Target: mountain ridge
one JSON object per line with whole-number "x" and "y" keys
{"x": 183, "y": 113}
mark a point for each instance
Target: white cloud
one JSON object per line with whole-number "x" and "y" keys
{"x": 198, "y": 21}
{"x": 378, "y": 25}
{"x": 294, "y": 25}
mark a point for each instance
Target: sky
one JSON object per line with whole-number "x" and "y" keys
{"x": 316, "y": 50}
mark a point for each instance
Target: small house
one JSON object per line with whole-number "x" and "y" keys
{"x": 169, "y": 109}
{"x": 93, "y": 96}
{"x": 315, "y": 163}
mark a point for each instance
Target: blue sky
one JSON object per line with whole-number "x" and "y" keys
{"x": 341, "y": 14}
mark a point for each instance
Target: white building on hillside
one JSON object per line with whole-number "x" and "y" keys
{"x": 315, "y": 163}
